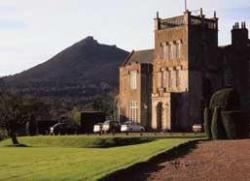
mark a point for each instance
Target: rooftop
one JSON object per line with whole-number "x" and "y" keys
{"x": 141, "y": 56}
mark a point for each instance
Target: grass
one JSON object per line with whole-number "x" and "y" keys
{"x": 65, "y": 163}
{"x": 79, "y": 141}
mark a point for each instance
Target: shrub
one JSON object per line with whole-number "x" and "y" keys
{"x": 236, "y": 124}
{"x": 3, "y": 134}
{"x": 217, "y": 129}
{"x": 226, "y": 99}
{"x": 227, "y": 121}
{"x": 32, "y": 127}
{"x": 207, "y": 122}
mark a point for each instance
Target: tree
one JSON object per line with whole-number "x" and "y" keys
{"x": 76, "y": 115}
{"x": 35, "y": 108}
{"x": 16, "y": 111}
{"x": 13, "y": 114}
{"x": 104, "y": 103}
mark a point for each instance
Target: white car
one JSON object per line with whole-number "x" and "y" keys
{"x": 111, "y": 126}
{"x": 106, "y": 126}
{"x": 132, "y": 127}
{"x": 97, "y": 128}
{"x": 197, "y": 128}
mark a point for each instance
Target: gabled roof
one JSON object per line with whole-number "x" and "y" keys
{"x": 141, "y": 57}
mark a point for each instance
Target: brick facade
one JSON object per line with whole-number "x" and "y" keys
{"x": 177, "y": 78}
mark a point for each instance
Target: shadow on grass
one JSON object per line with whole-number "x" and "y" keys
{"x": 121, "y": 141}
{"x": 141, "y": 171}
{"x": 17, "y": 146}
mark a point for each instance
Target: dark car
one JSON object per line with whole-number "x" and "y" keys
{"x": 65, "y": 128}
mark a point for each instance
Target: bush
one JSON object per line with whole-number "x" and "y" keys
{"x": 217, "y": 128}
{"x": 32, "y": 127}
{"x": 3, "y": 134}
{"x": 226, "y": 99}
{"x": 236, "y": 124}
{"x": 207, "y": 122}
{"x": 227, "y": 120}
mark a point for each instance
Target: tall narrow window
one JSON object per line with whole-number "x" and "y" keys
{"x": 133, "y": 80}
{"x": 178, "y": 49}
{"x": 169, "y": 51}
{"x": 169, "y": 79}
{"x": 165, "y": 79}
{"x": 162, "y": 51}
{"x": 178, "y": 78}
{"x": 166, "y": 51}
{"x": 160, "y": 79}
{"x": 173, "y": 51}
{"x": 133, "y": 111}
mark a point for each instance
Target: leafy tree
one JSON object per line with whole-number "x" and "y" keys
{"x": 103, "y": 103}
{"x": 76, "y": 115}
{"x": 13, "y": 114}
{"x": 36, "y": 108}
{"x": 16, "y": 111}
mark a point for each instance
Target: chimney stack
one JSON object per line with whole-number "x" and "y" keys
{"x": 239, "y": 34}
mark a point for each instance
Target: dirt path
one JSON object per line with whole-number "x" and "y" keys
{"x": 206, "y": 161}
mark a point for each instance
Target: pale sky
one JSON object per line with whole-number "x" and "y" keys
{"x": 32, "y": 31}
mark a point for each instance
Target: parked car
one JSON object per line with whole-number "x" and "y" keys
{"x": 132, "y": 127}
{"x": 111, "y": 126}
{"x": 64, "y": 128}
{"x": 98, "y": 128}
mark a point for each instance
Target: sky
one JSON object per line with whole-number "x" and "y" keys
{"x": 32, "y": 31}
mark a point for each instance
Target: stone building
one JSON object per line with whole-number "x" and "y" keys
{"x": 167, "y": 88}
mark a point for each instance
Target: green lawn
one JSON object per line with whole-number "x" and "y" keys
{"x": 64, "y": 163}
{"x": 79, "y": 141}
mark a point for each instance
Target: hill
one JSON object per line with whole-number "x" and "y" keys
{"x": 84, "y": 70}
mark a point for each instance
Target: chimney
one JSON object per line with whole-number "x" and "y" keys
{"x": 157, "y": 21}
{"x": 239, "y": 34}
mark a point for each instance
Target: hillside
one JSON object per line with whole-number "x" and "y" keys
{"x": 85, "y": 69}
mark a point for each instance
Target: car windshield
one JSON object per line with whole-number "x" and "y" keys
{"x": 58, "y": 124}
{"x": 127, "y": 123}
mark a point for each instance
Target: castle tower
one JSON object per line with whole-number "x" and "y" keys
{"x": 185, "y": 52}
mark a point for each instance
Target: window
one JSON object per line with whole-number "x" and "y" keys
{"x": 173, "y": 51}
{"x": 160, "y": 79}
{"x": 178, "y": 82}
{"x": 133, "y": 111}
{"x": 178, "y": 49}
{"x": 133, "y": 80}
{"x": 166, "y": 51}
{"x": 169, "y": 79}
{"x": 162, "y": 51}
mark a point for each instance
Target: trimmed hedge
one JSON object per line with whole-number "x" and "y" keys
{"x": 236, "y": 124}
{"x": 207, "y": 122}
{"x": 226, "y": 99}
{"x": 225, "y": 117}
{"x": 217, "y": 128}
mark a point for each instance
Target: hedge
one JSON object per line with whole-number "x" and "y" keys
{"x": 207, "y": 122}
{"x": 217, "y": 128}
{"x": 236, "y": 124}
